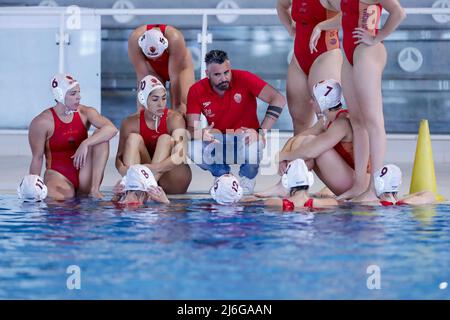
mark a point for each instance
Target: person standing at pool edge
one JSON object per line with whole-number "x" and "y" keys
{"x": 307, "y": 68}
{"x": 227, "y": 98}
{"x": 160, "y": 50}
{"x": 61, "y": 133}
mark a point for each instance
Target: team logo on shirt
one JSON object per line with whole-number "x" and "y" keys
{"x": 238, "y": 98}
{"x": 208, "y": 113}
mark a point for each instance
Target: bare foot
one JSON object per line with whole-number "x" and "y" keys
{"x": 276, "y": 191}
{"x": 324, "y": 193}
{"x": 353, "y": 192}
{"x": 368, "y": 196}
{"x": 96, "y": 194}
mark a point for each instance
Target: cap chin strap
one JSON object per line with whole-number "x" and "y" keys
{"x": 157, "y": 120}
{"x": 68, "y": 112}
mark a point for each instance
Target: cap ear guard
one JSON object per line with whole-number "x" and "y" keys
{"x": 300, "y": 175}
{"x": 284, "y": 181}
{"x": 212, "y": 192}
{"x": 57, "y": 92}
{"x": 32, "y": 188}
{"x": 379, "y": 185}
{"x": 141, "y": 96}
{"x": 310, "y": 177}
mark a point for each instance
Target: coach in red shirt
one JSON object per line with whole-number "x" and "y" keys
{"x": 227, "y": 98}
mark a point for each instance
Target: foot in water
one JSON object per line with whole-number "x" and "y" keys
{"x": 276, "y": 191}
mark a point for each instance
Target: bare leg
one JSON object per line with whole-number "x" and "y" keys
{"x": 59, "y": 187}
{"x": 334, "y": 171}
{"x": 91, "y": 175}
{"x": 330, "y": 167}
{"x": 360, "y": 138}
{"x": 177, "y": 179}
{"x": 368, "y": 70}
{"x": 298, "y": 97}
{"x": 135, "y": 151}
{"x": 163, "y": 150}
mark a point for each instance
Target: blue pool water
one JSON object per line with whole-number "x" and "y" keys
{"x": 193, "y": 249}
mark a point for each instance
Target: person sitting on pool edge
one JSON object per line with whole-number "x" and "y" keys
{"x": 75, "y": 162}
{"x": 387, "y": 183}
{"x": 156, "y": 137}
{"x": 139, "y": 186}
{"x": 298, "y": 180}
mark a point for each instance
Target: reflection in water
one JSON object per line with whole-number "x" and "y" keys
{"x": 424, "y": 214}
{"x": 196, "y": 249}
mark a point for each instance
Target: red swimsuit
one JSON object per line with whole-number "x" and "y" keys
{"x": 161, "y": 64}
{"x": 151, "y": 136}
{"x": 307, "y": 14}
{"x": 63, "y": 144}
{"x": 357, "y": 14}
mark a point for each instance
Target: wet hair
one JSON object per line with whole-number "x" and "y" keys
{"x": 216, "y": 56}
{"x": 295, "y": 189}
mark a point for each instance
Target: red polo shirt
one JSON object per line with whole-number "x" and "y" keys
{"x": 235, "y": 109}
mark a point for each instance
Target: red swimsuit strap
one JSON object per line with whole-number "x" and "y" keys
{"x": 309, "y": 203}
{"x": 288, "y": 205}
{"x": 385, "y": 203}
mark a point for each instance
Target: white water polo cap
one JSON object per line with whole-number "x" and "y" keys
{"x": 32, "y": 188}
{"x": 387, "y": 179}
{"x": 297, "y": 175}
{"x": 153, "y": 43}
{"x": 328, "y": 94}
{"x": 61, "y": 83}
{"x": 226, "y": 190}
{"x": 147, "y": 85}
{"x": 139, "y": 178}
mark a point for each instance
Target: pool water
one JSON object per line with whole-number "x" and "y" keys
{"x": 194, "y": 249}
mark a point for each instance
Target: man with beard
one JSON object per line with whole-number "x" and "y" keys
{"x": 227, "y": 98}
